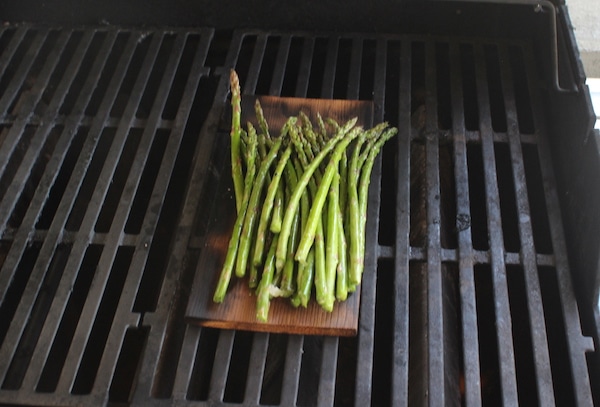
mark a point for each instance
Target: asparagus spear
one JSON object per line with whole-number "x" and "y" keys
{"x": 319, "y": 200}
{"x": 232, "y": 249}
{"x": 332, "y": 246}
{"x": 298, "y": 191}
{"x": 263, "y": 296}
{"x": 250, "y": 220}
{"x": 363, "y": 190}
{"x": 267, "y": 206}
{"x": 341, "y": 285}
{"x": 235, "y": 134}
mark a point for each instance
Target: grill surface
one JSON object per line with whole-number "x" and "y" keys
{"x": 108, "y": 166}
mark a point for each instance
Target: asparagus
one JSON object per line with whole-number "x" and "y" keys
{"x": 232, "y": 248}
{"x": 250, "y": 219}
{"x": 235, "y": 134}
{"x": 341, "y": 286}
{"x": 303, "y": 181}
{"x": 332, "y": 247}
{"x": 310, "y": 209}
{"x": 277, "y": 217}
{"x": 263, "y": 295}
{"x": 355, "y": 261}
{"x": 267, "y": 207}
{"x": 319, "y": 199}
{"x": 363, "y": 190}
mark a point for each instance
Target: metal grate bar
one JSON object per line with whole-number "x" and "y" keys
{"x": 534, "y": 296}
{"x": 51, "y": 169}
{"x": 291, "y": 371}
{"x": 333, "y": 44}
{"x": 435, "y": 327}
{"x": 221, "y": 366}
{"x": 165, "y": 172}
{"x": 366, "y": 329}
{"x": 255, "y": 64}
{"x": 185, "y": 363}
{"x": 50, "y": 242}
{"x": 470, "y": 341}
{"x": 160, "y": 320}
{"x": 26, "y": 108}
{"x": 10, "y": 143}
{"x": 11, "y": 48}
{"x": 379, "y": 80}
{"x": 8, "y": 269}
{"x": 283, "y": 53}
{"x": 305, "y": 65}
{"x": 124, "y": 316}
{"x": 577, "y": 344}
{"x": 328, "y": 371}
{"x": 402, "y": 247}
{"x": 17, "y": 186}
{"x": 16, "y": 83}
{"x": 256, "y": 367}
{"x": 503, "y": 318}
{"x": 95, "y": 294}
{"x": 352, "y": 92}
{"x": 6, "y": 273}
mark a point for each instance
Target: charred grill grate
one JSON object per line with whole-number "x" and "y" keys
{"x": 108, "y": 161}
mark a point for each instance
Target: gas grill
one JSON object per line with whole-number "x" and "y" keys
{"x": 483, "y": 231}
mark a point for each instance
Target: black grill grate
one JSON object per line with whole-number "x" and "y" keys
{"x": 108, "y": 161}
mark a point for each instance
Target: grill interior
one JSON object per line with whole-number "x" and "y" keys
{"x": 108, "y": 164}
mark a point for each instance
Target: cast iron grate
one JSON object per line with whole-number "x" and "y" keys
{"x": 108, "y": 159}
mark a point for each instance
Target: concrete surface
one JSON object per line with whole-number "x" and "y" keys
{"x": 585, "y": 17}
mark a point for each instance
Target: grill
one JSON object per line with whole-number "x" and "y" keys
{"x": 479, "y": 270}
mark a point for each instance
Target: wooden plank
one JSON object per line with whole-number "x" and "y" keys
{"x": 238, "y": 311}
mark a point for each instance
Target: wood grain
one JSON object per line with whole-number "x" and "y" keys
{"x": 238, "y": 311}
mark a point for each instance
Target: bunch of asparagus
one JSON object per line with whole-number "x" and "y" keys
{"x": 301, "y": 201}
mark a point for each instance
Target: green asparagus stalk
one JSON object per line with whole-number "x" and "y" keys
{"x": 267, "y": 206}
{"x": 355, "y": 261}
{"x": 263, "y": 296}
{"x": 341, "y": 285}
{"x": 363, "y": 189}
{"x": 305, "y": 280}
{"x": 277, "y": 217}
{"x": 320, "y": 274}
{"x": 319, "y": 199}
{"x": 332, "y": 246}
{"x": 251, "y": 215}
{"x": 232, "y": 248}
{"x": 287, "y": 279}
{"x": 235, "y": 134}
{"x": 260, "y": 118}
{"x": 357, "y": 252}
{"x": 303, "y": 181}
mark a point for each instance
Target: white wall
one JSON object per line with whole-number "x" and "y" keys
{"x": 585, "y": 17}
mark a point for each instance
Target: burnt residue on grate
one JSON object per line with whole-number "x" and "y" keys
{"x": 106, "y": 172}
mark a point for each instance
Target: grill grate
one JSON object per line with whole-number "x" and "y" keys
{"x": 108, "y": 161}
